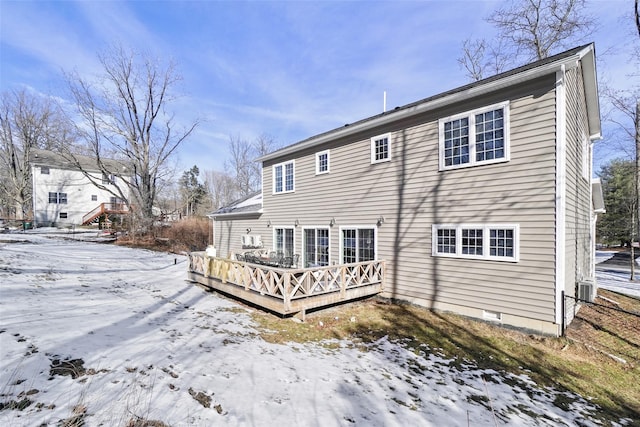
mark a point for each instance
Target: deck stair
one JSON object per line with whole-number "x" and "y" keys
{"x": 104, "y": 209}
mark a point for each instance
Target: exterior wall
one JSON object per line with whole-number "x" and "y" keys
{"x": 78, "y": 189}
{"x": 411, "y": 194}
{"x": 543, "y": 189}
{"x": 579, "y": 244}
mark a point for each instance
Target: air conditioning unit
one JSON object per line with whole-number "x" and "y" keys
{"x": 246, "y": 240}
{"x": 586, "y": 291}
{"x": 256, "y": 241}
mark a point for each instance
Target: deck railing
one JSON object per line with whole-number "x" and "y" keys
{"x": 102, "y": 208}
{"x": 292, "y": 284}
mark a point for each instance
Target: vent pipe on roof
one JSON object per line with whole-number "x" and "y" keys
{"x": 384, "y": 101}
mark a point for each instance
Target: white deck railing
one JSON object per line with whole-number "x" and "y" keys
{"x": 289, "y": 284}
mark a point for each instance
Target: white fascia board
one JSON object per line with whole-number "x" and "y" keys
{"x": 393, "y": 116}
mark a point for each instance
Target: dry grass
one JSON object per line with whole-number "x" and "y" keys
{"x": 187, "y": 235}
{"x": 599, "y": 358}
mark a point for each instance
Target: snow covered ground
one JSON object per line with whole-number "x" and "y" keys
{"x": 140, "y": 342}
{"x": 615, "y": 278}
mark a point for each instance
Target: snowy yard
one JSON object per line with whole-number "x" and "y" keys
{"x": 109, "y": 334}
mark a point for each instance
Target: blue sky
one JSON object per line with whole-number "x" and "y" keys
{"x": 289, "y": 70}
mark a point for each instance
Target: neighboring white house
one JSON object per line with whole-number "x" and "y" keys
{"x": 64, "y": 196}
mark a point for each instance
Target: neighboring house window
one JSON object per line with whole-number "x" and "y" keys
{"x": 316, "y": 246}
{"x": 63, "y": 215}
{"x": 475, "y": 138}
{"x": 322, "y": 162}
{"x": 381, "y": 148}
{"x": 44, "y": 170}
{"x": 59, "y": 198}
{"x": 94, "y": 197}
{"x": 284, "y": 240}
{"x": 108, "y": 179}
{"x": 358, "y": 245}
{"x": 283, "y": 180}
{"x": 493, "y": 242}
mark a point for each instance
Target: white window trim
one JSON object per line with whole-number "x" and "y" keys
{"x": 373, "y": 148}
{"x": 472, "y": 137}
{"x": 318, "y": 154}
{"x": 284, "y": 177}
{"x": 358, "y": 227}
{"x": 485, "y": 241}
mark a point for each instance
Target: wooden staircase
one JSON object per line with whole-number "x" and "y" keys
{"x": 104, "y": 209}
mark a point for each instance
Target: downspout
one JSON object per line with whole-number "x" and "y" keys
{"x": 561, "y": 184}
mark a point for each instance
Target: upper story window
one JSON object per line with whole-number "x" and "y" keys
{"x": 44, "y": 170}
{"x": 381, "y": 148}
{"x": 492, "y": 242}
{"x": 108, "y": 179}
{"x": 475, "y": 137}
{"x": 322, "y": 162}
{"x": 283, "y": 177}
{"x": 94, "y": 197}
{"x": 59, "y": 198}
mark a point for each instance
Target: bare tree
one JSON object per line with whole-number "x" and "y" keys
{"x": 221, "y": 187}
{"x": 527, "y": 30}
{"x": 124, "y": 116}
{"x": 625, "y": 115}
{"x": 27, "y": 121}
{"x": 242, "y": 165}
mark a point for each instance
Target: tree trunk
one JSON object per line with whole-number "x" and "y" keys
{"x": 636, "y": 223}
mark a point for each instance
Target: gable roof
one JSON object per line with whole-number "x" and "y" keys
{"x": 249, "y": 205}
{"x": 59, "y": 161}
{"x": 549, "y": 65}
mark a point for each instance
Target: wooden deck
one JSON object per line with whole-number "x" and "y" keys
{"x": 287, "y": 290}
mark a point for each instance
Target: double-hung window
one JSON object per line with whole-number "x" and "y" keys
{"x": 58, "y": 198}
{"x": 316, "y": 246}
{"x": 283, "y": 240}
{"x": 381, "y": 148}
{"x": 322, "y": 162}
{"x": 358, "y": 244}
{"x": 474, "y": 138}
{"x": 44, "y": 170}
{"x": 491, "y": 242}
{"x": 283, "y": 177}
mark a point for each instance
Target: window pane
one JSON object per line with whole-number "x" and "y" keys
{"x": 53, "y": 197}
{"x": 446, "y": 241}
{"x": 278, "y": 179}
{"x": 366, "y": 245}
{"x": 490, "y": 129}
{"x": 348, "y": 246}
{"x": 501, "y": 243}
{"x": 472, "y": 241}
{"x": 456, "y": 137}
{"x": 288, "y": 177}
{"x": 381, "y": 149}
{"x": 288, "y": 242}
{"x": 309, "y": 247}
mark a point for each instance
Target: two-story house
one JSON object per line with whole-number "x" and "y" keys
{"x": 479, "y": 198}
{"x": 64, "y": 195}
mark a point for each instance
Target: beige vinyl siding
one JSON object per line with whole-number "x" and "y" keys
{"x": 579, "y": 247}
{"x": 412, "y": 195}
